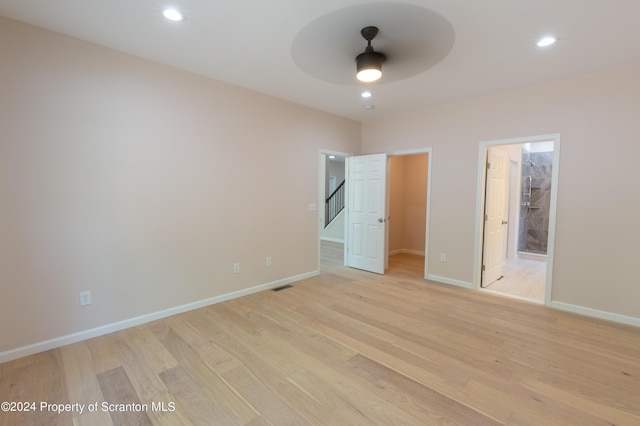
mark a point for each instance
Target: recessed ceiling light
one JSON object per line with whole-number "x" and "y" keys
{"x": 546, "y": 41}
{"x": 173, "y": 15}
{"x": 366, "y": 94}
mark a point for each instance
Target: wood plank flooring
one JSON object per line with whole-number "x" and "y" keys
{"x": 343, "y": 348}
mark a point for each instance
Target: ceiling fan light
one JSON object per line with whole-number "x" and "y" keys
{"x": 369, "y": 75}
{"x": 369, "y": 66}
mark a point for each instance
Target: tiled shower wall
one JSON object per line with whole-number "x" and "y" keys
{"x": 534, "y": 209}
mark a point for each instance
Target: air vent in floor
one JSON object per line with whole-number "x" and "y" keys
{"x": 284, "y": 287}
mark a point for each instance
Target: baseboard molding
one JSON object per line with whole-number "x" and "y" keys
{"x": 624, "y": 319}
{"x": 406, "y": 251}
{"x": 143, "y": 319}
{"x": 531, "y": 256}
{"x": 445, "y": 280}
{"x": 589, "y": 312}
{"x": 333, "y": 240}
{"x": 513, "y": 296}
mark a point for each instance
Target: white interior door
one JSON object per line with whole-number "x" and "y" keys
{"x": 496, "y": 213}
{"x": 366, "y": 208}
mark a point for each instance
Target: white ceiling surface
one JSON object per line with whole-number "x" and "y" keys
{"x": 250, "y": 43}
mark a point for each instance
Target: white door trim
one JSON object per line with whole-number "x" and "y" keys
{"x": 482, "y": 155}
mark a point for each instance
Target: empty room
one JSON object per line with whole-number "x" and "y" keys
{"x": 319, "y": 213}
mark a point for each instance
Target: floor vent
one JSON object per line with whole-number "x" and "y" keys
{"x": 284, "y": 287}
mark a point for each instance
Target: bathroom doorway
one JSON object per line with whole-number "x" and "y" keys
{"x": 516, "y": 244}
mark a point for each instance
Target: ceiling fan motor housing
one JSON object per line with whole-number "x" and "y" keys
{"x": 369, "y": 59}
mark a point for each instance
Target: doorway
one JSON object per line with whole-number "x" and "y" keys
{"x": 516, "y": 219}
{"x": 407, "y": 213}
{"x": 331, "y": 227}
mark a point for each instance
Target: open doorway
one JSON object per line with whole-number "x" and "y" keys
{"x": 406, "y": 231}
{"x": 517, "y": 195}
{"x": 331, "y": 213}
{"x": 407, "y": 212}
{"x": 332, "y": 198}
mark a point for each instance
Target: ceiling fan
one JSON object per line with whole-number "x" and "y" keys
{"x": 369, "y": 62}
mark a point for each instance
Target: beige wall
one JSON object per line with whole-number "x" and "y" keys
{"x": 597, "y": 230}
{"x": 143, "y": 184}
{"x": 408, "y": 203}
{"x": 396, "y": 204}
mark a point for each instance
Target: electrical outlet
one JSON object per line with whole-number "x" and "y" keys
{"x": 85, "y": 298}
{"x": 267, "y": 261}
{"x": 443, "y": 257}
{"x": 236, "y": 267}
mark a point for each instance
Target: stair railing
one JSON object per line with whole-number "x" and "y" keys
{"x": 334, "y": 204}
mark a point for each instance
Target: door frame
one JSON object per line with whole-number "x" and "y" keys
{"x": 416, "y": 151}
{"x": 480, "y": 204}
{"x": 429, "y": 152}
{"x": 322, "y": 172}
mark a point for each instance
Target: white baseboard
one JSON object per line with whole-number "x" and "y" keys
{"x": 445, "y": 280}
{"x": 333, "y": 240}
{"x": 531, "y": 256}
{"x": 624, "y": 319}
{"x": 512, "y": 296}
{"x": 143, "y": 319}
{"x": 594, "y": 313}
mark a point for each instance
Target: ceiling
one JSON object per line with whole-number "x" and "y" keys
{"x": 439, "y": 51}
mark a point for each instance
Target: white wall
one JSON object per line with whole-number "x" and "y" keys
{"x": 143, "y": 184}
{"x": 335, "y": 231}
{"x": 597, "y": 231}
{"x": 336, "y": 168}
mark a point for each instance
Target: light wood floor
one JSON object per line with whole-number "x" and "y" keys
{"x": 346, "y": 348}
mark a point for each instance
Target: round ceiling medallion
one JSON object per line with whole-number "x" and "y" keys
{"x": 412, "y": 38}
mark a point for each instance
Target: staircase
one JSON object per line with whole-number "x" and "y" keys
{"x": 334, "y": 204}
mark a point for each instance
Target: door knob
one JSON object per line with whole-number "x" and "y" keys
{"x": 381, "y": 220}
{"x": 504, "y": 222}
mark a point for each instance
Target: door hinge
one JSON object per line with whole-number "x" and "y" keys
{"x": 484, "y": 267}
{"x": 488, "y": 165}
{"x": 486, "y": 217}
